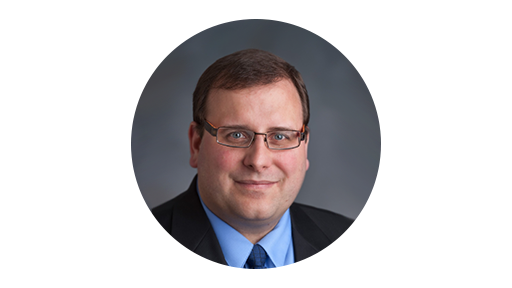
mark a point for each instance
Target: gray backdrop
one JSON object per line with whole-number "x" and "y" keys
{"x": 344, "y": 149}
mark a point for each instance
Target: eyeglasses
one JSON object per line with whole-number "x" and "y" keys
{"x": 242, "y": 138}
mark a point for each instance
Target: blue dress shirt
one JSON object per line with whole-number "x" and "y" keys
{"x": 236, "y": 248}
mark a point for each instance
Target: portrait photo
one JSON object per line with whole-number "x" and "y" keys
{"x": 255, "y": 143}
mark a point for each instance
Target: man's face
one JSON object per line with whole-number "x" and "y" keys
{"x": 255, "y": 184}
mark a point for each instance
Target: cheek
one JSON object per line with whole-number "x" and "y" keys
{"x": 218, "y": 158}
{"x": 292, "y": 164}
{"x": 226, "y": 159}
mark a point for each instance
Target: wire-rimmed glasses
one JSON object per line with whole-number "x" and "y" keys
{"x": 238, "y": 137}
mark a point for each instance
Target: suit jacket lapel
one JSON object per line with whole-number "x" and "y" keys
{"x": 191, "y": 227}
{"x": 308, "y": 238}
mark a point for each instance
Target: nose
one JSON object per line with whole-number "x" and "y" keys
{"x": 258, "y": 157}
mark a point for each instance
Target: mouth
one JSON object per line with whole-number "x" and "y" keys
{"x": 255, "y": 184}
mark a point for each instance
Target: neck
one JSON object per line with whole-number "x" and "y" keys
{"x": 254, "y": 232}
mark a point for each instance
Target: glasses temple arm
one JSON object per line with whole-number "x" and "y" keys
{"x": 210, "y": 128}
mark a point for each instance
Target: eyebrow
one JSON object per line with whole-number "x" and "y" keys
{"x": 275, "y": 128}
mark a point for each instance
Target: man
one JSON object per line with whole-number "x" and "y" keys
{"x": 249, "y": 143}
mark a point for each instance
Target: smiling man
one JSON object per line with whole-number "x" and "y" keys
{"x": 249, "y": 143}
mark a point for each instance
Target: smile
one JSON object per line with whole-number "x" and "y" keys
{"x": 255, "y": 185}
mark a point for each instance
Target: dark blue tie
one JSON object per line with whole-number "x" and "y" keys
{"x": 257, "y": 258}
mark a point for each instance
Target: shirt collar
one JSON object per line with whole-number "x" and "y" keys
{"x": 276, "y": 243}
{"x": 236, "y": 248}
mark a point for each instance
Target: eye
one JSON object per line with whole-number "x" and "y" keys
{"x": 237, "y": 135}
{"x": 279, "y": 137}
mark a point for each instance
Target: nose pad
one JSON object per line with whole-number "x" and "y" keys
{"x": 264, "y": 138}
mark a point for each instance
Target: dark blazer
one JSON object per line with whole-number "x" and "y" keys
{"x": 184, "y": 218}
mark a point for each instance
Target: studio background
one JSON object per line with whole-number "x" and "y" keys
{"x": 344, "y": 147}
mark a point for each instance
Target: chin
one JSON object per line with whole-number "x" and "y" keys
{"x": 256, "y": 214}
{"x": 257, "y": 218}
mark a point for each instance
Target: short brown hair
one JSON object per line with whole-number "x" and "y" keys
{"x": 245, "y": 69}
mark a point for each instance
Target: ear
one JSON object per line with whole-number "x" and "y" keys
{"x": 306, "y": 143}
{"x": 194, "y": 142}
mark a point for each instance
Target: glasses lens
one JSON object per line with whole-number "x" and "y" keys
{"x": 283, "y": 139}
{"x": 234, "y": 137}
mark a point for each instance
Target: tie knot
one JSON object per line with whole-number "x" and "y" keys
{"x": 257, "y": 258}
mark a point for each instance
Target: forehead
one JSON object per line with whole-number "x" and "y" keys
{"x": 273, "y": 104}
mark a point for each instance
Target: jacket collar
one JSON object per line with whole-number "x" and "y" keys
{"x": 191, "y": 227}
{"x": 308, "y": 238}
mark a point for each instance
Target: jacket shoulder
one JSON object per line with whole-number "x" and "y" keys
{"x": 333, "y": 225}
{"x": 362, "y": 242}
{"x": 167, "y": 206}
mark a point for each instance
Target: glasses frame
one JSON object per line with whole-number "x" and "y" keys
{"x": 213, "y": 131}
